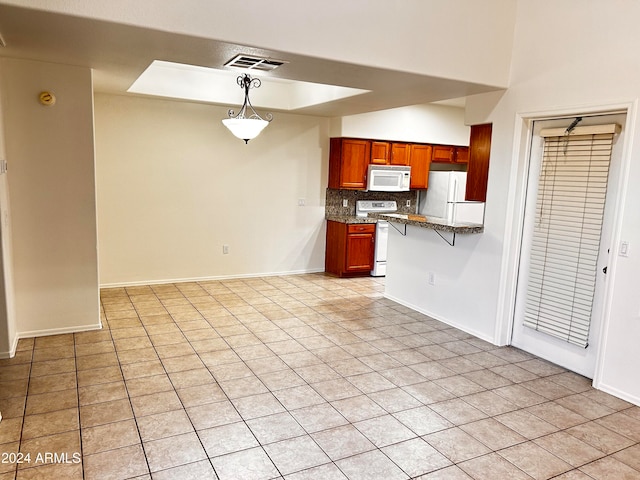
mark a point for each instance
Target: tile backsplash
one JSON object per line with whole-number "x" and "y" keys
{"x": 335, "y": 197}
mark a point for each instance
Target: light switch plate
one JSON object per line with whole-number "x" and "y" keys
{"x": 624, "y": 249}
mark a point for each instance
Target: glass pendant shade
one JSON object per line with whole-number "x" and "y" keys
{"x": 247, "y": 124}
{"x": 245, "y": 128}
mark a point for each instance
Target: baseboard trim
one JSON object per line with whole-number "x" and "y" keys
{"x": 208, "y": 279}
{"x": 59, "y": 331}
{"x": 47, "y": 332}
{"x": 12, "y": 350}
{"x": 618, "y": 393}
{"x": 470, "y": 331}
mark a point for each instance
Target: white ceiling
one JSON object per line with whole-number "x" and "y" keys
{"x": 119, "y": 54}
{"x": 203, "y": 84}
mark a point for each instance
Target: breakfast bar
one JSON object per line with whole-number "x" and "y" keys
{"x": 432, "y": 223}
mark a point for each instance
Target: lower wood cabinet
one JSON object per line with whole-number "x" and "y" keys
{"x": 350, "y": 248}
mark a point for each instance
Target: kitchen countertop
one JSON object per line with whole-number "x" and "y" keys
{"x": 431, "y": 222}
{"x": 350, "y": 219}
{"x": 411, "y": 219}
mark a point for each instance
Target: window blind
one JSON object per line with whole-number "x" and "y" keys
{"x": 566, "y": 236}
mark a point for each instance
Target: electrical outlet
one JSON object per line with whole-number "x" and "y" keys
{"x": 345, "y": 202}
{"x": 408, "y": 203}
{"x": 432, "y": 278}
{"x": 225, "y": 249}
{"x": 301, "y": 202}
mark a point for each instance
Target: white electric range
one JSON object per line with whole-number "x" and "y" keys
{"x": 363, "y": 208}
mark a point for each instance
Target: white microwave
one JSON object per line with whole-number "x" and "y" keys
{"x": 388, "y": 178}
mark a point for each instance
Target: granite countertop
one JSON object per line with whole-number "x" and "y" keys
{"x": 350, "y": 219}
{"x": 431, "y": 222}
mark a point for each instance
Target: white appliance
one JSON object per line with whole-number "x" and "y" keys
{"x": 388, "y": 178}
{"x": 363, "y": 207}
{"x": 444, "y": 199}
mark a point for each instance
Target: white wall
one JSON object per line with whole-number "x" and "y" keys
{"x": 457, "y": 39}
{"x": 566, "y": 69}
{"x": 52, "y": 191}
{"x": 418, "y": 123}
{"x": 174, "y": 186}
{"x": 603, "y": 70}
{"x": 461, "y": 296}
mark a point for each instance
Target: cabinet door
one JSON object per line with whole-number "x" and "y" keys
{"x": 400, "y": 153}
{"x": 478, "y": 169}
{"x": 380, "y": 153}
{"x": 420, "y": 161}
{"x": 348, "y": 161}
{"x": 359, "y": 252}
{"x": 443, "y": 154}
{"x": 462, "y": 155}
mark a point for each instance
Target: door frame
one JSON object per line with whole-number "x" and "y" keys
{"x": 518, "y": 181}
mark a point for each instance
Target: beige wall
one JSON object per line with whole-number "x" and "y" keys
{"x": 174, "y": 186}
{"x": 50, "y": 153}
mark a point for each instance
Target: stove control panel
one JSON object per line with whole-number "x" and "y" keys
{"x": 363, "y": 207}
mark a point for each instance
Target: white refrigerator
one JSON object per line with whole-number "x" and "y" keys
{"x": 444, "y": 199}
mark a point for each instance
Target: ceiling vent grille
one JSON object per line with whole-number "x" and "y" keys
{"x": 250, "y": 62}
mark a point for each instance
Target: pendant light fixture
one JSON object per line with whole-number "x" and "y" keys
{"x": 246, "y": 125}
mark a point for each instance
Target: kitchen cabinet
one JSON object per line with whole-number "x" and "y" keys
{"x": 450, "y": 154}
{"x": 390, "y": 153}
{"x": 380, "y": 152}
{"x": 462, "y": 155}
{"x": 348, "y": 161}
{"x": 349, "y": 248}
{"x": 400, "y": 153}
{"x": 478, "y": 168}
{"x": 420, "y": 161}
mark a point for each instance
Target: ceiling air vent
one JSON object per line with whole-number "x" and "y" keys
{"x": 251, "y": 62}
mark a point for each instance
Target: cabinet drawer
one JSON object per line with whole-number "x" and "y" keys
{"x": 361, "y": 228}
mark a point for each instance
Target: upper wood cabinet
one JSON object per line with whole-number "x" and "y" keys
{"x": 478, "y": 169}
{"x": 420, "y": 161}
{"x": 390, "y": 153}
{"x": 348, "y": 161}
{"x": 461, "y": 155}
{"x": 380, "y": 152}
{"x": 443, "y": 153}
{"x": 400, "y": 153}
{"x": 450, "y": 154}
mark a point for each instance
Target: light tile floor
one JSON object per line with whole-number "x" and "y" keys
{"x": 297, "y": 377}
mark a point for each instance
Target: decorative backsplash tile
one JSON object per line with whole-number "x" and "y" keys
{"x": 334, "y": 200}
